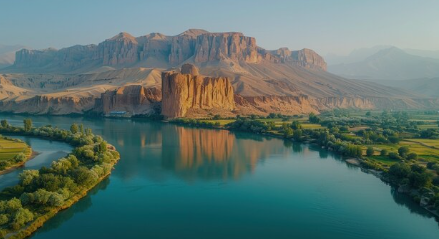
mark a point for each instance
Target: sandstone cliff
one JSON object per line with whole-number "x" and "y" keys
{"x": 305, "y": 58}
{"x": 158, "y": 50}
{"x": 219, "y": 46}
{"x": 133, "y": 99}
{"x": 43, "y": 104}
{"x": 184, "y": 92}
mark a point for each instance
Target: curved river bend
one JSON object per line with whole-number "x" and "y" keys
{"x": 179, "y": 182}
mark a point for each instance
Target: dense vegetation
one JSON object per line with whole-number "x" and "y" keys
{"x": 399, "y": 145}
{"x": 40, "y": 194}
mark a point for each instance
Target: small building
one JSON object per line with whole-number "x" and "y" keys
{"x": 118, "y": 113}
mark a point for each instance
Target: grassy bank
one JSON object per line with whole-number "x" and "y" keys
{"x": 41, "y": 194}
{"x": 13, "y": 153}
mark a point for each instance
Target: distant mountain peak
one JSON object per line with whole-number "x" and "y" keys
{"x": 193, "y": 32}
{"x": 123, "y": 35}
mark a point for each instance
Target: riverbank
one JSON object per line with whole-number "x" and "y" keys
{"x": 13, "y": 154}
{"x": 39, "y": 222}
{"x": 12, "y": 168}
{"x": 41, "y": 194}
{"x": 354, "y": 156}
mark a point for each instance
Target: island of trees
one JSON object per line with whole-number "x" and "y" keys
{"x": 40, "y": 194}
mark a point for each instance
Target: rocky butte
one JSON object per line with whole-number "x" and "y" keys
{"x": 187, "y": 91}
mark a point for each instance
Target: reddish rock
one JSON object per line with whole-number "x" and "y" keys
{"x": 182, "y": 92}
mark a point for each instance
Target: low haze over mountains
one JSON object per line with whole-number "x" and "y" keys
{"x": 386, "y": 63}
{"x": 7, "y": 54}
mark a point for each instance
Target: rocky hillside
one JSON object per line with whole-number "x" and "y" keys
{"x": 124, "y": 73}
{"x": 158, "y": 50}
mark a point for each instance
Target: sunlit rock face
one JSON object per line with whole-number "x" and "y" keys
{"x": 182, "y": 92}
{"x": 232, "y": 45}
{"x": 158, "y": 50}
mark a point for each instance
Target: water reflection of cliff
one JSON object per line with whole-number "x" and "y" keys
{"x": 213, "y": 154}
{"x": 155, "y": 150}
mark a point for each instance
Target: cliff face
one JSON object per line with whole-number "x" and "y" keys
{"x": 158, "y": 50}
{"x": 42, "y": 104}
{"x": 134, "y": 99}
{"x": 218, "y": 46}
{"x": 183, "y": 92}
{"x": 305, "y": 58}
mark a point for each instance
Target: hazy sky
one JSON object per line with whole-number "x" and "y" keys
{"x": 336, "y": 26}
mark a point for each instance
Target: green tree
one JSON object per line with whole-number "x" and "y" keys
{"x": 298, "y": 135}
{"x": 103, "y": 147}
{"x": 313, "y": 118}
{"x": 3, "y": 219}
{"x": 370, "y": 151}
{"x": 5, "y": 124}
{"x": 81, "y": 128}
{"x": 393, "y": 139}
{"x": 368, "y": 113}
{"x": 296, "y": 125}
{"x": 74, "y": 128}
{"x": 403, "y": 151}
{"x": 21, "y": 217}
{"x": 288, "y": 132}
{"x": 28, "y": 176}
{"x": 271, "y": 125}
{"x": 412, "y": 156}
{"x": 384, "y": 152}
{"x": 27, "y": 125}
{"x": 399, "y": 170}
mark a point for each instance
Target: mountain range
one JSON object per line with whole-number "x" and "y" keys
{"x": 124, "y": 73}
{"x": 386, "y": 63}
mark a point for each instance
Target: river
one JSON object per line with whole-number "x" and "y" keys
{"x": 182, "y": 182}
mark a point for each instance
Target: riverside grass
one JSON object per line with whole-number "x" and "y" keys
{"x": 11, "y": 148}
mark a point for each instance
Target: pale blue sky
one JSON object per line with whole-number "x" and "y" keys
{"x": 336, "y": 26}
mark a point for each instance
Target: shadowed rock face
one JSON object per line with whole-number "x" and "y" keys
{"x": 189, "y": 69}
{"x": 134, "y": 99}
{"x": 183, "y": 92}
{"x": 306, "y": 58}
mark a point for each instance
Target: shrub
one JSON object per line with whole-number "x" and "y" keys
{"x": 412, "y": 156}
{"x": 403, "y": 151}
{"x": 370, "y": 151}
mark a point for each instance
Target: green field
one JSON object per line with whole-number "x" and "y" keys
{"x": 428, "y": 142}
{"x": 384, "y": 160}
{"x": 9, "y": 149}
{"x": 428, "y": 126}
{"x": 423, "y": 152}
{"x": 277, "y": 122}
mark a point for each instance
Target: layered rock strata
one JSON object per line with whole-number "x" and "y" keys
{"x": 183, "y": 92}
{"x": 132, "y": 99}
{"x": 158, "y": 50}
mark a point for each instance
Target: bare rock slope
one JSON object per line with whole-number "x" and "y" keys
{"x": 124, "y": 73}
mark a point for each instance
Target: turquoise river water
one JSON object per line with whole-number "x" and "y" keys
{"x": 181, "y": 182}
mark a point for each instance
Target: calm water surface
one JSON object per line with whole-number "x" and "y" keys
{"x": 47, "y": 152}
{"x": 179, "y": 182}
